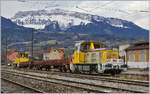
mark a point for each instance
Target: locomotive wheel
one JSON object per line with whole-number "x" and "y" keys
{"x": 64, "y": 68}
{"x": 34, "y": 68}
{"x": 31, "y": 67}
{"x": 38, "y": 67}
{"x": 92, "y": 69}
{"x": 43, "y": 68}
{"x": 68, "y": 68}
{"x": 48, "y": 68}
{"x": 118, "y": 71}
{"x": 14, "y": 65}
{"x": 113, "y": 72}
{"x": 28, "y": 67}
{"x": 60, "y": 69}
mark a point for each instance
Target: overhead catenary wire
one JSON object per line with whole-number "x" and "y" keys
{"x": 82, "y": 9}
{"x": 125, "y": 11}
{"x": 103, "y": 5}
{"x": 109, "y": 9}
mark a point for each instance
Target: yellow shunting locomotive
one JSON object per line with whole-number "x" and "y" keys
{"x": 94, "y": 57}
{"x": 23, "y": 58}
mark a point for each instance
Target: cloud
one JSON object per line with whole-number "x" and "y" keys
{"x": 127, "y": 10}
{"x": 22, "y": 0}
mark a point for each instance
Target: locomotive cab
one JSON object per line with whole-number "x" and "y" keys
{"x": 95, "y": 57}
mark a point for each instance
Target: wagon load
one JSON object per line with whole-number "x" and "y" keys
{"x": 51, "y": 58}
{"x": 54, "y": 54}
{"x": 12, "y": 56}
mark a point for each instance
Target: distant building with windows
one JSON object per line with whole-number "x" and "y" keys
{"x": 122, "y": 52}
{"x": 137, "y": 55}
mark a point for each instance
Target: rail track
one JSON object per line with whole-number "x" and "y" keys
{"x": 102, "y": 77}
{"x": 110, "y": 79}
{"x": 92, "y": 84}
{"x": 21, "y": 85}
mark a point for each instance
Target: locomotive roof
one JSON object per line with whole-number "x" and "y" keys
{"x": 95, "y": 43}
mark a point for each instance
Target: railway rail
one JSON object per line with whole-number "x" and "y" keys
{"x": 93, "y": 85}
{"x": 21, "y": 85}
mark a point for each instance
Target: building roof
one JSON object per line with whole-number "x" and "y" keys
{"x": 139, "y": 46}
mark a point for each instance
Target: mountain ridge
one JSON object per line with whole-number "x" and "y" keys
{"x": 63, "y": 17}
{"x": 96, "y": 28}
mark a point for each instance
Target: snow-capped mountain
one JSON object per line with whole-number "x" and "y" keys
{"x": 41, "y": 18}
{"x": 96, "y": 30}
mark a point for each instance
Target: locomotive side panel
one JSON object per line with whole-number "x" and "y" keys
{"x": 93, "y": 57}
{"x": 78, "y": 57}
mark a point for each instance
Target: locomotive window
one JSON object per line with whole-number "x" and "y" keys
{"x": 96, "y": 46}
{"x": 26, "y": 55}
{"x": 23, "y": 55}
{"x": 84, "y": 47}
{"x": 76, "y": 48}
{"x": 20, "y": 54}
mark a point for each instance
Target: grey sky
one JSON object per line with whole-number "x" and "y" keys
{"x": 128, "y": 10}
